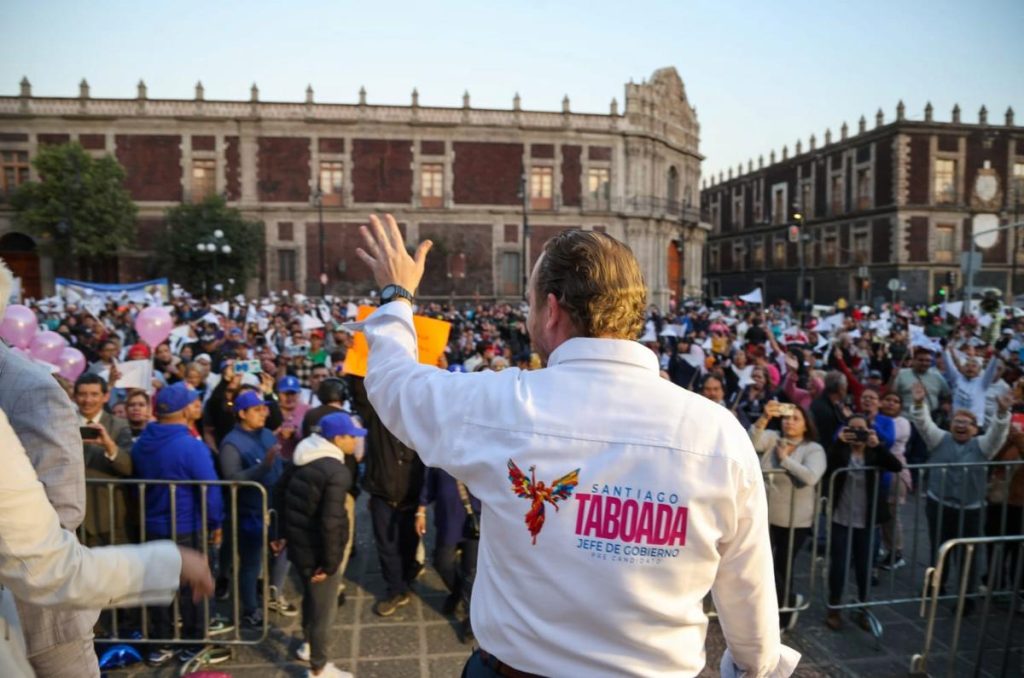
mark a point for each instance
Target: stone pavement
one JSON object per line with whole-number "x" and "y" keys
{"x": 418, "y": 641}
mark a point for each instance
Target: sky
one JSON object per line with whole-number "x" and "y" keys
{"x": 762, "y": 74}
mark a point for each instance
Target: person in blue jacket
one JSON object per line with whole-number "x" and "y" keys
{"x": 166, "y": 450}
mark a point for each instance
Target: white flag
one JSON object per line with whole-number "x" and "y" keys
{"x": 753, "y": 297}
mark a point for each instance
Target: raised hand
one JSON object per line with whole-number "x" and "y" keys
{"x": 386, "y": 256}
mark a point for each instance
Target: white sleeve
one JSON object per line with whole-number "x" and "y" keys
{"x": 744, "y": 589}
{"x": 44, "y": 564}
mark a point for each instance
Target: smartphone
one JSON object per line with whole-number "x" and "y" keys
{"x": 248, "y": 367}
{"x": 786, "y": 409}
{"x": 89, "y": 433}
{"x": 860, "y": 435}
{"x": 298, "y": 351}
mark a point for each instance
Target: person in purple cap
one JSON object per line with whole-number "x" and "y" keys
{"x": 311, "y": 499}
{"x": 166, "y": 450}
{"x": 251, "y": 452}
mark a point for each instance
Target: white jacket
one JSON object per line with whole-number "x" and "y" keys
{"x": 668, "y": 504}
{"x": 44, "y": 564}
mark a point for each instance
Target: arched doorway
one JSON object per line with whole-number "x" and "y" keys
{"x": 675, "y": 269}
{"x": 19, "y": 253}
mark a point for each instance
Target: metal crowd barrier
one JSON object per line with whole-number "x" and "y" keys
{"x": 1002, "y": 589}
{"x": 137, "y": 629}
{"x": 896, "y": 587}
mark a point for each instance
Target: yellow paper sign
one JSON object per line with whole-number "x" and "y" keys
{"x": 431, "y": 339}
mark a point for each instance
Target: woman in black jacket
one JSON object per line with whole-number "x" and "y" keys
{"x": 857, "y": 505}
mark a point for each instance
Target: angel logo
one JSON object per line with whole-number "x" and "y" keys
{"x": 538, "y": 493}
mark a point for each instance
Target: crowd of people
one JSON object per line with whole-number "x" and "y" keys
{"x": 257, "y": 390}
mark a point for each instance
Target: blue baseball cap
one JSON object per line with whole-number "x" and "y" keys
{"x": 339, "y": 424}
{"x": 248, "y": 399}
{"x": 289, "y": 384}
{"x": 175, "y": 398}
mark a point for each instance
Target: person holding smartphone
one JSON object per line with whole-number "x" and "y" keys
{"x": 858, "y": 504}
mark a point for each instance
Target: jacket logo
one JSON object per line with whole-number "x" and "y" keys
{"x": 538, "y": 493}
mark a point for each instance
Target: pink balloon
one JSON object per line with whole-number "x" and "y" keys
{"x": 19, "y": 325}
{"x": 70, "y": 363}
{"x": 154, "y": 325}
{"x": 46, "y": 346}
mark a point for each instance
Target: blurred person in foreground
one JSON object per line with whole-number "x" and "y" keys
{"x": 43, "y": 564}
{"x": 614, "y": 527}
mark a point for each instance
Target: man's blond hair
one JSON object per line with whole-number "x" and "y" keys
{"x": 6, "y": 284}
{"x": 597, "y": 280}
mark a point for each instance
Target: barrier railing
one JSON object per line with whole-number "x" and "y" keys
{"x": 936, "y": 512}
{"x": 184, "y": 497}
{"x": 999, "y": 589}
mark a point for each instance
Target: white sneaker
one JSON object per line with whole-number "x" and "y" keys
{"x": 329, "y": 671}
{"x": 303, "y": 652}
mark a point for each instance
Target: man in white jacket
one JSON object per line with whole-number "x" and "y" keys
{"x": 614, "y": 501}
{"x": 44, "y": 564}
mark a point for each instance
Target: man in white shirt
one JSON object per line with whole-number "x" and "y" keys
{"x": 614, "y": 501}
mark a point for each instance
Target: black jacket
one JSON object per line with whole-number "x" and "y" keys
{"x": 394, "y": 471}
{"x": 310, "y": 425}
{"x": 311, "y": 501}
{"x": 839, "y": 456}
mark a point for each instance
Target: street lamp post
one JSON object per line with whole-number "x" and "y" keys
{"x": 524, "y": 193}
{"x": 318, "y": 200}
{"x": 213, "y": 246}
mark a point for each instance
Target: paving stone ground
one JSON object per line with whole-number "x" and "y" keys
{"x": 418, "y": 641}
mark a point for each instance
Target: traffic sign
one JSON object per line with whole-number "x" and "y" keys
{"x": 894, "y": 284}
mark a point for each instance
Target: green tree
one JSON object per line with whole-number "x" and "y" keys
{"x": 79, "y": 209}
{"x": 189, "y": 225}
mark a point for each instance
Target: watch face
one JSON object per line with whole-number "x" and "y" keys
{"x": 388, "y": 292}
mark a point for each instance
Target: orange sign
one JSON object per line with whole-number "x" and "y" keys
{"x": 431, "y": 339}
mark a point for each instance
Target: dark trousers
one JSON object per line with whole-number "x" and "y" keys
{"x": 456, "y": 563}
{"x": 945, "y": 523}
{"x": 319, "y": 605}
{"x": 477, "y": 667}
{"x": 394, "y": 531}
{"x": 848, "y": 544}
{"x": 161, "y": 624}
{"x": 250, "y": 564}
{"x": 994, "y": 527}
{"x": 783, "y": 561}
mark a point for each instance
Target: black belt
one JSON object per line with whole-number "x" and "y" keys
{"x": 501, "y": 668}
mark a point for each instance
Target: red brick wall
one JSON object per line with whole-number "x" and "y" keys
{"x": 432, "y": 147}
{"x": 949, "y": 143}
{"x": 13, "y": 136}
{"x": 487, "y": 173}
{"x": 600, "y": 152}
{"x": 381, "y": 170}
{"x": 93, "y": 142}
{"x": 203, "y": 143}
{"x": 918, "y": 170}
{"x": 883, "y": 172}
{"x": 539, "y": 235}
{"x": 340, "y": 243}
{"x": 148, "y": 232}
{"x": 233, "y": 168}
{"x": 473, "y": 240}
{"x": 542, "y": 151}
{"x": 152, "y": 163}
{"x": 52, "y": 139}
{"x": 571, "y": 179}
{"x": 881, "y": 241}
{"x": 331, "y": 145}
{"x": 283, "y": 169}
{"x": 918, "y": 239}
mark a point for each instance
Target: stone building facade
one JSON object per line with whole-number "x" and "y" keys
{"x": 454, "y": 175}
{"x": 896, "y": 201}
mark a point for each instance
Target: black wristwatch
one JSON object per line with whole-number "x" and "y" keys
{"x": 392, "y": 292}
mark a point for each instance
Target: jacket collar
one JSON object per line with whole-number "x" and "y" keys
{"x": 606, "y": 350}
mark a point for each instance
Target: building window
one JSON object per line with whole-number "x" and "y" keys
{"x": 599, "y": 185}
{"x": 945, "y": 240}
{"x": 1018, "y": 182}
{"x": 541, "y": 182}
{"x": 713, "y": 258}
{"x": 809, "y": 254}
{"x": 779, "y": 253}
{"x": 432, "y": 185}
{"x": 332, "y": 182}
{"x": 861, "y": 247}
{"x": 830, "y": 251}
{"x": 737, "y": 210}
{"x": 758, "y": 208}
{"x": 716, "y": 222}
{"x": 779, "y": 204}
{"x": 864, "y": 189}
{"x": 511, "y": 276}
{"x": 204, "y": 179}
{"x": 739, "y": 256}
{"x": 758, "y": 254}
{"x": 286, "y": 265}
{"x": 13, "y": 172}
{"x": 806, "y": 199}
{"x": 838, "y": 194}
{"x": 512, "y": 233}
{"x": 945, "y": 182}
